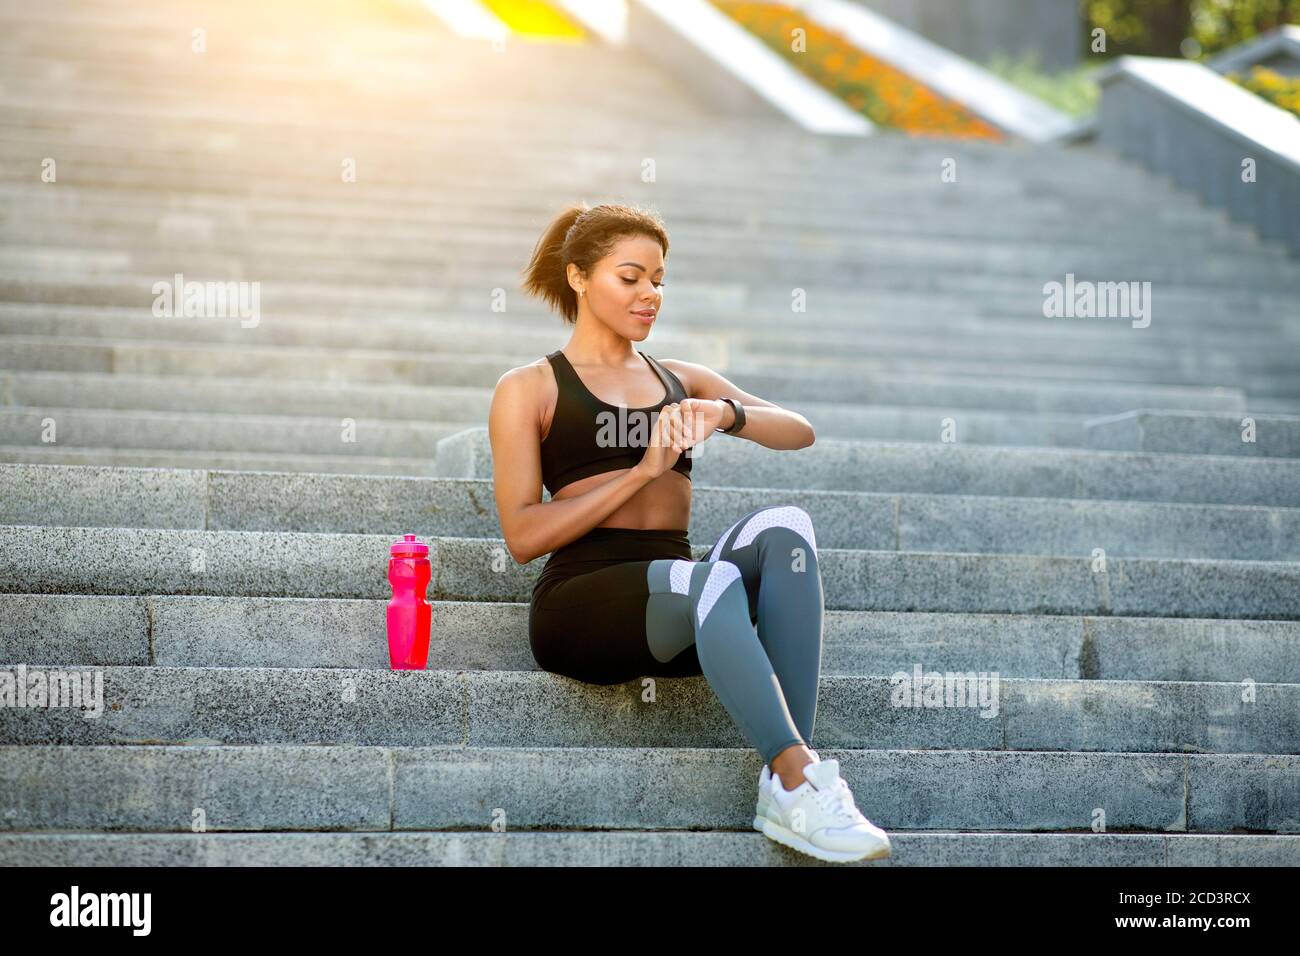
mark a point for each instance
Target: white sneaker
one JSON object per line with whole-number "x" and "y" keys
{"x": 764, "y": 798}
{"x": 819, "y": 818}
{"x": 762, "y": 811}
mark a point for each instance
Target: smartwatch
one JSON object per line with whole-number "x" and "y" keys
{"x": 739, "y": 423}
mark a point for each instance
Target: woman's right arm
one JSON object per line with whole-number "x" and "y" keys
{"x": 530, "y": 526}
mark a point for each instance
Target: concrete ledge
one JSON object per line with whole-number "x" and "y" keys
{"x": 1188, "y": 122}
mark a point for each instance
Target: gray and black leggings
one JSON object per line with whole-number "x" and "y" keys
{"x": 622, "y": 603}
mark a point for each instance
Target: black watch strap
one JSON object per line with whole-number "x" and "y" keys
{"x": 739, "y": 423}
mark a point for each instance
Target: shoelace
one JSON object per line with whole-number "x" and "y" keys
{"x": 838, "y": 802}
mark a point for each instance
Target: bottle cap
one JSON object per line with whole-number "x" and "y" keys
{"x": 408, "y": 547}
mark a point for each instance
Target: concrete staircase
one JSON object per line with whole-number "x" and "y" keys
{"x": 208, "y": 535}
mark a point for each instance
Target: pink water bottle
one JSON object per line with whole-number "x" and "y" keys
{"x": 409, "y": 616}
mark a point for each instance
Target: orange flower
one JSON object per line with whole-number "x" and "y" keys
{"x": 886, "y": 95}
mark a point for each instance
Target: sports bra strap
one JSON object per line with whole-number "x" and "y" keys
{"x": 669, "y": 388}
{"x": 564, "y": 371}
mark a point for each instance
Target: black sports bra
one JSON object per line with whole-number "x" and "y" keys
{"x": 573, "y": 447}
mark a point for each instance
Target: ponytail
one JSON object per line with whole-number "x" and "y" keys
{"x": 583, "y": 234}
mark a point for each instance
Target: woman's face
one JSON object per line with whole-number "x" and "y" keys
{"x": 625, "y": 289}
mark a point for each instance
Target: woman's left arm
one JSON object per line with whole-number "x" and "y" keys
{"x": 765, "y": 423}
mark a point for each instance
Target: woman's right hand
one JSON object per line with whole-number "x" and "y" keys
{"x": 668, "y": 438}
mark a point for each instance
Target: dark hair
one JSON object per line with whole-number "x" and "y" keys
{"x": 583, "y": 234}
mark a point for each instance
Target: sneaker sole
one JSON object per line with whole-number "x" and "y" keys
{"x": 789, "y": 838}
{"x": 761, "y": 815}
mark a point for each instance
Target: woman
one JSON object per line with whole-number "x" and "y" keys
{"x": 609, "y": 432}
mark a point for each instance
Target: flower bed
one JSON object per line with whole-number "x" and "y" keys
{"x": 885, "y": 95}
{"x": 1278, "y": 88}
{"x": 534, "y": 18}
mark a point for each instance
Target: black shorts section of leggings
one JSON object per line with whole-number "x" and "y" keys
{"x": 587, "y": 617}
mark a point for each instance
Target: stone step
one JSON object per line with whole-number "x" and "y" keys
{"x": 124, "y": 49}
{"x": 234, "y": 460}
{"x": 381, "y": 164}
{"x": 965, "y": 260}
{"x": 73, "y": 120}
{"x": 98, "y": 64}
{"x": 160, "y": 430}
{"x": 202, "y": 631}
{"x": 836, "y": 262}
{"x": 238, "y": 396}
{"x": 432, "y": 334}
{"x": 82, "y": 208}
{"x": 295, "y": 564}
{"x": 1271, "y": 436}
{"x": 723, "y": 312}
{"x": 87, "y": 428}
{"x": 238, "y": 705}
{"x": 109, "y": 215}
{"x": 730, "y": 307}
{"x": 398, "y": 366}
{"x": 450, "y": 335}
{"x": 231, "y": 501}
{"x": 970, "y": 338}
{"x": 122, "y": 53}
{"x": 1064, "y": 368}
{"x": 114, "y": 113}
{"x": 303, "y": 171}
{"x": 1143, "y": 192}
{"x": 622, "y": 848}
{"x": 108, "y": 405}
{"x": 71, "y": 113}
{"x": 829, "y": 465}
{"x": 727, "y": 305}
{"x": 53, "y": 269}
{"x": 496, "y": 120}
{"x": 389, "y": 15}
{"x": 1160, "y": 346}
{"x": 503, "y": 111}
{"x": 953, "y": 468}
{"x": 332, "y": 96}
{"x": 635, "y": 788}
{"x": 824, "y": 259}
